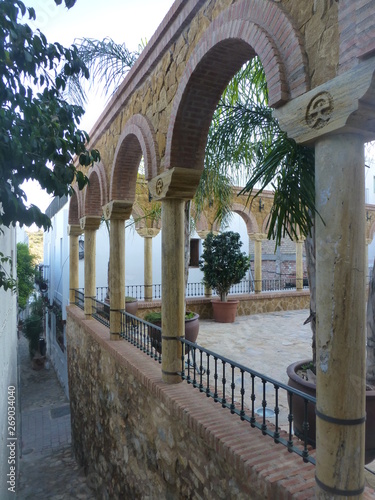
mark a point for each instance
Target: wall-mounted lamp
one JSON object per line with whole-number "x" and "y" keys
{"x": 261, "y": 205}
{"x": 368, "y": 217}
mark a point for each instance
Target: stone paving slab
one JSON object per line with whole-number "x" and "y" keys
{"x": 47, "y": 467}
{"x": 265, "y": 342}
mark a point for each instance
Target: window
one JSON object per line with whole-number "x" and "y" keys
{"x": 194, "y": 252}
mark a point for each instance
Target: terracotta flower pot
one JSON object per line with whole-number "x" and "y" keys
{"x": 224, "y": 312}
{"x": 191, "y": 331}
{"x": 297, "y": 382}
{"x": 131, "y": 306}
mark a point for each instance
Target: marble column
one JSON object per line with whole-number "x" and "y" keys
{"x": 299, "y": 263}
{"x": 257, "y": 238}
{"x": 117, "y": 212}
{"x": 148, "y": 234}
{"x": 90, "y": 225}
{"x": 340, "y": 326}
{"x": 74, "y": 231}
{"x": 173, "y": 288}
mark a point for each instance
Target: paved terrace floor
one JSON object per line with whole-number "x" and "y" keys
{"x": 264, "y": 342}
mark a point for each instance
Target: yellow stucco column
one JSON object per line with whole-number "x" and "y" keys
{"x": 148, "y": 234}
{"x": 340, "y": 326}
{"x": 73, "y": 231}
{"x": 203, "y": 236}
{"x": 257, "y": 238}
{"x": 117, "y": 212}
{"x": 173, "y": 187}
{"x": 299, "y": 264}
{"x": 90, "y": 225}
{"x": 173, "y": 288}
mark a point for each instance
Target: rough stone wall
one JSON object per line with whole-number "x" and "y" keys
{"x": 153, "y": 96}
{"x": 140, "y": 438}
{"x": 249, "y": 304}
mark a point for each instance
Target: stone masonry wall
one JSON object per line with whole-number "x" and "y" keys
{"x": 249, "y": 304}
{"x": 138, "y": 437}
{"x": 154, "y": 93}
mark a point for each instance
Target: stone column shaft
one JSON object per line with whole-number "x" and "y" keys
{"x": 148, "y": 267}
{"x": 116, "y": 275}
{"x": 299, "y": 265}
{"x": 90, "y": 270}
{"x": 257, "y": 238}
{"x": 74, "y": 232}
{"x": 173, "y": 288}
{"x": 340, "y": 327}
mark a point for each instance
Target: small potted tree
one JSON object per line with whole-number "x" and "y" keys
{"x": 223, "y": 265}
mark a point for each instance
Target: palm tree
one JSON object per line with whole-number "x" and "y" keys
{"x": 244, "y": 141}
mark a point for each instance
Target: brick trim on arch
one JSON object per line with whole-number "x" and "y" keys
{"x": 247, "y": 217}
{"x": 245, "y": 28}
{"x": 75, "y": 204}
{"x": 136, "y": 140}
{"x": 95, "y": 195}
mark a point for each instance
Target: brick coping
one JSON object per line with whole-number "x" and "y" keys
{"x": 143, "y": 304}
{"x": 269, "y": 467}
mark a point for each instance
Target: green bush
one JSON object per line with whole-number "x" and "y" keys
{"x": 33, "y": 326}
{"x": 223, "y": 264}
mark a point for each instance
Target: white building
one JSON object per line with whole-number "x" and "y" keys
{"x": 8, "y": 364}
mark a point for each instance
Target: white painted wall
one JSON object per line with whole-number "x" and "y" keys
{"x": 8, "y": 357}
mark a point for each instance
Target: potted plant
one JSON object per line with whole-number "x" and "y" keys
{"x": 33, "y": 330}
{"x": 191, "y": 327}
{"x": 223, "y": 265}
{"x": 302, "y": 373}
{"x": 131, "y": 305}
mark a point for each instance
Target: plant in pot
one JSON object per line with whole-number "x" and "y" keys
{"x": 131, "y": 305}
{"x": 33, "y": 330}
{"x": 223, "y": 265}
{"x": 191, "y": 328}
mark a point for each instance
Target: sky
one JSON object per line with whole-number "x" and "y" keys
{"x": 127, "y": 21}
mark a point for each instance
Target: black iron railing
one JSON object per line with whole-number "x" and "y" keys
{"x": 79, "y": 298}
{"x": 198, "y": 289}
{"x": 143, "y": 335}
{"x": 239, "y": 389}
{"x": 100, "y": 311}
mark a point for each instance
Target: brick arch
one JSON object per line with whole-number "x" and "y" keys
{"x": 247, "y": 217}
{"x": 247, "y": 28}
{"x": 75, "y": 204}
{"x": 202, "y": 224}
{"x": 137, "y": 139}
{"x": 95, "y": 195}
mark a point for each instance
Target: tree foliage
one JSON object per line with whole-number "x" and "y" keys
{"x": 25, "y": 274}
{"x": 246, "y": 142}
{"x": 107, "y": 61}
{"x": 223, "y": 264}
{"x": 39, "y": 134}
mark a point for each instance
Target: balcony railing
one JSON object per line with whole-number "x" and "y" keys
{"x": 79, "y": 298}
{"x": 239, "y": 389}
{"x": 198, "y": 290}
{"x": 236, "y": 387}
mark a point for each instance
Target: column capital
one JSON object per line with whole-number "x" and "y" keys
{"x": 90, "y": 222}
{"x": 74, "y": 230}
{"x": 203, "y": 234}
{"x": 148, "y": 232}
{"x": 299, "y": 239}
{"x": 257, "y": 236}
{"x": 177, "y": 183}
{"x": 118, "y": 209}
{"x": 343, "y": 104}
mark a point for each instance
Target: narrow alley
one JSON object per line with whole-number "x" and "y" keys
{"x": 47, "y": 468}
